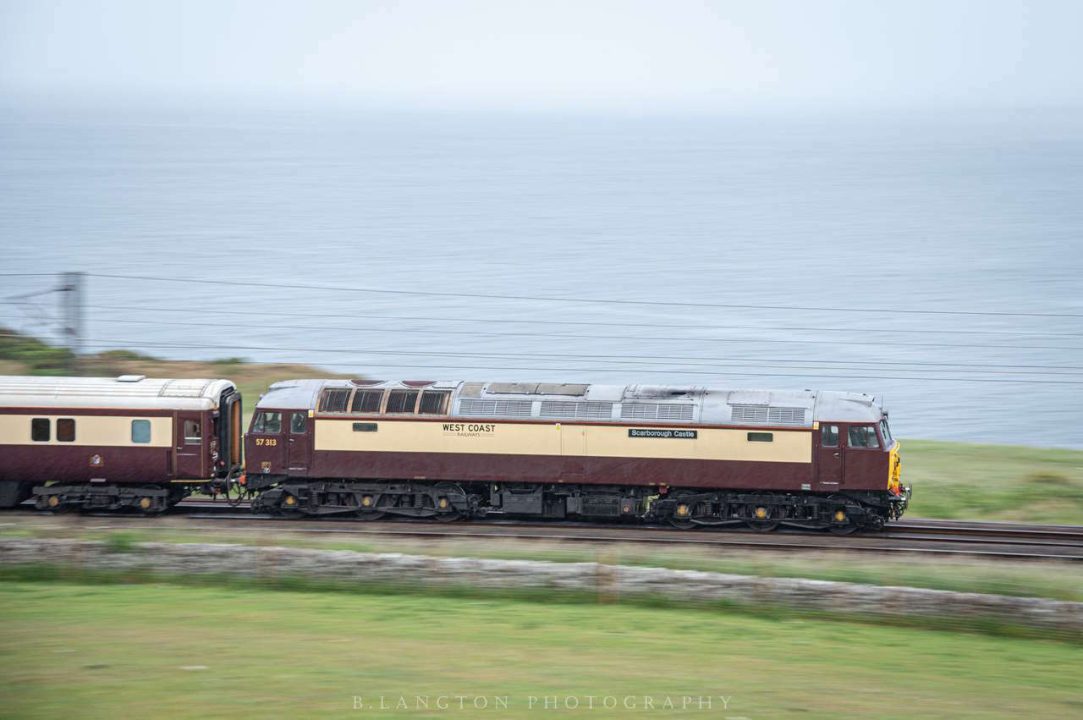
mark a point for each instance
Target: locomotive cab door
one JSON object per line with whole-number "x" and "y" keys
{"x": 299, "y": 441}
{"x": 829, "y": 460}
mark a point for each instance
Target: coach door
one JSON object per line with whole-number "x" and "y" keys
{"x": 188, "y": 441}
{"x": 299, "y": 441}
{"x": 829, "y": 461}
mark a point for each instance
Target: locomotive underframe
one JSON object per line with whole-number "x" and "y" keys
{"x": 839, "y": 511}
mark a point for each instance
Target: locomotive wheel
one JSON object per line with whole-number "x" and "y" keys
{"x": 763, "y": 518}
{"x": 682, "y": 515}
{"x": 844, "y": 525}
{"x": 443, "y": 503}
{"x": 367, "y": 512}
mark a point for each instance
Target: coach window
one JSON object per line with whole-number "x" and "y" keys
{"x": 298, "y": 423}
{"x": 192, "y": 436}
{"x": 434, "y": 402}
{"x": 141, "y": 432}
{"x": 863, "y": 436}
{"x": 829, "y": 436}
{"x": 40, "y": 430}
{"x": 401, "y": 401}
{"x": 367, "y": 401}
{"x": 65, "y": 430}
{"x": 333, "y": 400}
{"x": 268, "y": 422}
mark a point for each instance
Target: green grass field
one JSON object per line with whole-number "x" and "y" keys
{"x": 108, "y": 651}
{"x": 994, "y": 482}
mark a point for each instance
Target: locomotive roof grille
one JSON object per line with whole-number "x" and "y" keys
{"x": 643, "y": 403}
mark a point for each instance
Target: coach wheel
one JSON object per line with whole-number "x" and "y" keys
{"x": 145, "y": 503}
{"x": 763, "y": 518}
{"x": 53, "y": 502}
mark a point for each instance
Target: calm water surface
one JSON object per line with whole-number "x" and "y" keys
{"x": 865, "y": 218}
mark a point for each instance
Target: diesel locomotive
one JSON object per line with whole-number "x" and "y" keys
{"x": 692, "y": 456}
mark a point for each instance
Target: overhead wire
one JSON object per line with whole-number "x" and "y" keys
{"x": 354, "y": 351}
{"x": 543, "y": 298}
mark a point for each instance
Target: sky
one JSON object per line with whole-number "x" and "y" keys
{"x": 673, "y": 55}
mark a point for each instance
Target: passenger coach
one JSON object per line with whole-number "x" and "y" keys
{"x": 688, "y": 455}
{"x": 108, "y": 443}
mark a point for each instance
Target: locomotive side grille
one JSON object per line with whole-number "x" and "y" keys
{"x": 656, "y": 411}
{"x": 496, "y": 408}
{"x": 768, "y": 415}
{"x": 571, "y": 409}
{"x": 750, "y": 413}
{"x": 786, "y": 415}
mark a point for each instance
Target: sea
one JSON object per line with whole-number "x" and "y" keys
{"x": 934, "y": 259}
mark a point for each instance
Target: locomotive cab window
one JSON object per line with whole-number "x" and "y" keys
{"x": 333, "y": 400}
{"x": 401, "y": 401}
{"x": 886, "y": 432}
{"x": 434, "y": 402}
{"x": 298, "y": 423}
{"x": 65, "y": 430}
{"x": 367, "y": 401}
{"x": 41, "y": 430}
{"x": 829, "y": 436}
{"x": 192, "y": 436}
{"x": 268, "y": 422}
{"x": 140, "y": 432}
{"x": 863, "y": 436}
{"x": 761, "y": 437}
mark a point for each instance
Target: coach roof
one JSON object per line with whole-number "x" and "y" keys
{"x": 124, "y": 392}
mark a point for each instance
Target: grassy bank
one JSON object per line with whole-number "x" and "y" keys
{"x": 951, "y": 480}
{"x": 152, "y": 650}
{"x": 994, "y": 482}
{"x": 1050, "y": 579}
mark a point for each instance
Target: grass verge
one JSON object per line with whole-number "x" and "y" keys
{"x": 172, "y": 651}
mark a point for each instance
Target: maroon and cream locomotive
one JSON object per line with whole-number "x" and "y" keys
{"x": 692, "y": 456}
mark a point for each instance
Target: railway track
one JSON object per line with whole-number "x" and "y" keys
{"x": 925, "y": 537}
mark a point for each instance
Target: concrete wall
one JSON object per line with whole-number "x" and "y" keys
{"x": 607, "y": 581}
